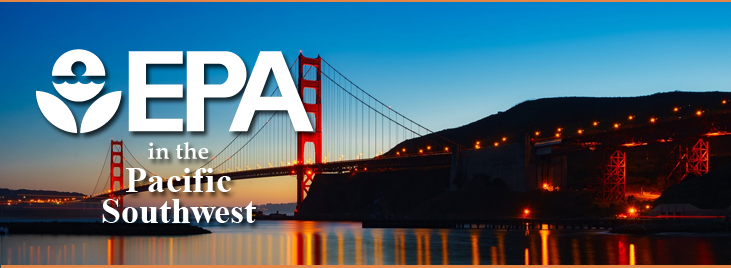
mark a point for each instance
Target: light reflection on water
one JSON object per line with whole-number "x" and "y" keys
{"x": 301, "y": 242}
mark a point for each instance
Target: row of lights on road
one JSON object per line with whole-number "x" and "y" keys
{"x": 559, "y": 130}
{"x": 630, "y": 118}
{"x": 428, "y": 148}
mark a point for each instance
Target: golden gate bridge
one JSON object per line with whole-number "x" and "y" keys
{"x": 361, "y": 132}
{"x": 356, "y": 132}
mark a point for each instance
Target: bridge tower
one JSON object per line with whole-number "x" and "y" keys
{"x": 305, "y": 83}
{"x": 117, "y": 172}
{"x": 614, "y": 176}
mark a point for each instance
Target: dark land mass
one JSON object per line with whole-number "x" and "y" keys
{"x": 424, "y": 194}
{"x": 97, "y": 228}
{"x": 46, "y": 211}
{"x": 25, "y": 194}
{"x": 277, "y": 208}
{"x": 710, "y": 191}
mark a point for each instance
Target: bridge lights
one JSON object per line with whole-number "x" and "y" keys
{"x": 403, "y": 150}
{"x": 477, "y": 145}
{"x": 616, "y": 125}
{"x": 580, "y": 131}
{"x": 397, "y": 153}
{"x": 676, "y": 109}
{"x": 309, "y": 172}
{"x": 559, "y": 129}
{"x": 699, "y": 113}
{"x": 428, "y": 147}
{"x": 723, "y": 102}
{"x": 526, "y": 212}
{"x": 631, "y": 117}
{"x": 505, "y": 139}
{"x": 538, "y": 133}
{"x": 652, "y": 120}
{"x": 446, "y": 149}
{"x": 632, "y": 211}
{"x": 421, "y": 151}
{"x": 496, "y": 144}
{"x": 595, "y": 123}
{"x": 558, "y": 135}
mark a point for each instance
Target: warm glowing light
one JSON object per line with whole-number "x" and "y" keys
{"x": 545, "y": 186}
{"x": 538, "y": 133}
{"x": 699, "y": 113}
{"x": 560, "y": 129}
{"x": 309, "y": 172}
{"x": 403, "y": 149}
{"x": 676, "y": 109}
{"x": 632, "y": 144}
{"x": 505, "y": 138}
{"x": 647, "y": 206}
{"x": 477, "y": 146}
{"x": 616, "y": 125}
{"x": 652, "y": 120}
{"x": 526, "y": 212}
{"x": 717, "y": 133}
{"x": 580, "y": 131}
{"x": 631, "y": 117}
{"x": 428, "y": 147}
{"x": 723, "y": 102}
{"x": 632, "y": 211}
{"x": 596, "y": 123}
{"x": 421, "y": 151}
{"x": 496, "y": 144}
{"x": 446, "y": 149}
{"x": 398, "y": 153}
{"x": 558, "y": 135}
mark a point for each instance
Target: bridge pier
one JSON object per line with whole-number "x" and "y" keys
{"x": 614, "y": 176}
{"x": 691, "y": 158}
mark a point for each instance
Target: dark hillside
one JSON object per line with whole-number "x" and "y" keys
{"x": 711, "y": 191}
{"x": 573, "y": 113}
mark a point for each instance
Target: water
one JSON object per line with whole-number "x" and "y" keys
{"x": 294, "y": 242}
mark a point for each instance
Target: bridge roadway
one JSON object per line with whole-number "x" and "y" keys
{"x": 415, "y": 161}
{"x": 628, "y": 135}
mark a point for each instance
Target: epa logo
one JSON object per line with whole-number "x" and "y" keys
{"x": 100, "y": 111}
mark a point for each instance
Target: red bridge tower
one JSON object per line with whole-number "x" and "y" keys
{"x": 304, "y": 175}
{"x": 117, "y": 172}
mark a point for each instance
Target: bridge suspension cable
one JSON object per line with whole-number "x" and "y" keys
{"x": 104, "y": 165}
{"x": 355, "y": 126}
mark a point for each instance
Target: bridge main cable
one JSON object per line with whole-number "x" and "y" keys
{"x": 383, "y": 104}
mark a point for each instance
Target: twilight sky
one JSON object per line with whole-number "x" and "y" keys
{"x": 442, "y": 64}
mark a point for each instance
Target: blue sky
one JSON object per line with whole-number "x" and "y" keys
{"x": 442, "y": 64}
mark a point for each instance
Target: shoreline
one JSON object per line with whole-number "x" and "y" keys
{"x": 98, "y": 228}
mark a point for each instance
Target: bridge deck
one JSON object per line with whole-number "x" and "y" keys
{"x": 421, "y": 161}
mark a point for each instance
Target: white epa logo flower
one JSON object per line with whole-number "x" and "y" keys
{"x": 100, "y": 111}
